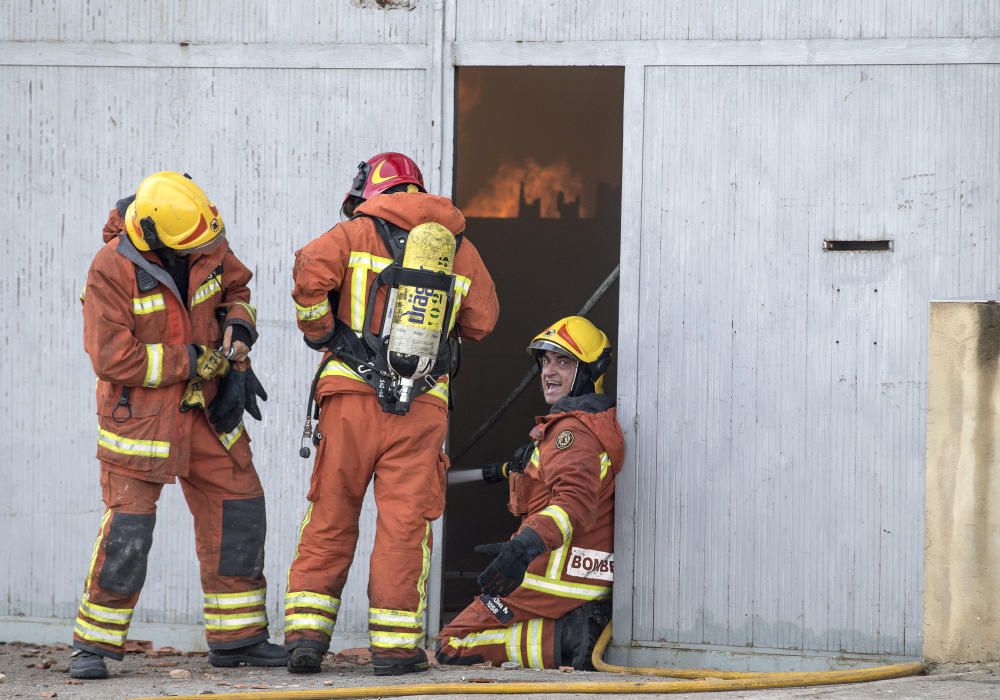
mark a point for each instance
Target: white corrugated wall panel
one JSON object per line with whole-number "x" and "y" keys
{"x": 781, "y": 416}
{"x": 592, "y": 20}
{"x": 275, "y": 149}
{"x": 208, "y": 21}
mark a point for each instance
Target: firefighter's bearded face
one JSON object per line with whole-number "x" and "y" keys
{"x": 558, "y": 373}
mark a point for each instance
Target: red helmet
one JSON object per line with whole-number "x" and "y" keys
{"x": 378, "y": 174}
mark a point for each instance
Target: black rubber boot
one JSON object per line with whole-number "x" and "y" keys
{"x": 577, "y": 633}
{"x": 305, "y": 660}
{"x": 396, "y": 666}
{"x": 87, "y": 665}
{"x": 259, "y": 654}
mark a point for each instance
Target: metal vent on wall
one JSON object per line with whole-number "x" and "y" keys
{"x": 869, "y": 246}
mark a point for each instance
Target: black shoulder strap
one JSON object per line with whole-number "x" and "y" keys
{"x": 393, "y": 237}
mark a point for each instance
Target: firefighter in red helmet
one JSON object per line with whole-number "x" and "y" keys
{"x": 342, "y": 288}
{"x": 546, "y": 593}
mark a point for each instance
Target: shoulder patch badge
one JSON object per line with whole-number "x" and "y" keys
{"x": 564, "y": 439}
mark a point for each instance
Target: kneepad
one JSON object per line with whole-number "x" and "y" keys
{"x": 129, "y": 540}
{"x": 244, "y": 527}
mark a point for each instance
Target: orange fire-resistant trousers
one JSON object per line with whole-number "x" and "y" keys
{"x": 403, "y": 454}
{"x": 227, "y": 503}
{"x": 527, "y": 638}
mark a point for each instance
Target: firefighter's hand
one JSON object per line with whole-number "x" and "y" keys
{"x": 233, "y": 350}
{"x": 520, "y": 458}
{"x": 506, "y": 572}
{"x": 210, "y": 363}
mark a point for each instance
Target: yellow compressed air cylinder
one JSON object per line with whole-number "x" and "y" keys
{"x": 418, "y": 318}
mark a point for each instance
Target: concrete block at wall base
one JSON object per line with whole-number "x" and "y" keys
{"x": 962, "y": 512}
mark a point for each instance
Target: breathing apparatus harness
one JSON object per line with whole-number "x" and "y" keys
{"x": 367, "y": 354}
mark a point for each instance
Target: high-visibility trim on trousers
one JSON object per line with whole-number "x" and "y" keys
{"x": 533, "y": 643}
{"x": 425, "y": 568}
{"x": 235, "y": 621}
{"x": 395, "y": 618}
{"x": 309, "y": 621}
{"x": 473, "y": 637}
{"x": 514, "y": 644}
{"x": 229, "y": 601}
{"x": 97, "y": 548}
{"x": 396, "y": 640}
{"x": 307, "y": 599}
{"x": 93, "y": 633}
{"x": 510, "y": 637}
{"x": 309, "y": 610}
{"x": 101, "y": 613}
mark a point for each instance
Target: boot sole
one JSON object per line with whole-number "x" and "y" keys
{"x": 234, "y": 661}
{"x": 303, "y": 668}
{"x": 90, "y": 674}
{"x": 401, "y": 669}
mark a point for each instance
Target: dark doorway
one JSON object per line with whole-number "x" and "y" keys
{"x": 538, "y": 167}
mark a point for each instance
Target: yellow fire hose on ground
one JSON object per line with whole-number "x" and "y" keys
{"x": 700, "y": 680}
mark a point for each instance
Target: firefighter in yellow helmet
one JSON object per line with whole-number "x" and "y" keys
{"x": 168, "y": 326}
{"x": 546, "y": 594}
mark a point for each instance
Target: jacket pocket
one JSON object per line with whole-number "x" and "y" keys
{"x": 517, "y": 505}
{"x": 438, "y": 484}
{"x": 130, "y": 431}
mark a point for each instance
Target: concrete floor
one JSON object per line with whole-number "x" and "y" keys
{"x": 42, "y": 672}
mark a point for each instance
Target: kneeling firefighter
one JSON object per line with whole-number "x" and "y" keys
{"x": 168, "y": 325}
{"x": 546, "y": 595}
{"x": 380, "y": 294}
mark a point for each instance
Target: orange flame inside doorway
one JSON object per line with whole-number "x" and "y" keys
{"x": 528, "y": 189}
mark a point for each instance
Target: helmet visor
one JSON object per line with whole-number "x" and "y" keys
{"x": 206, "y": 247}
{"x": 545, "y": 345}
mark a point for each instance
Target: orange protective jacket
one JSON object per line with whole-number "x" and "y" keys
{"x": 566, "y": 495}
{"x": 139, "y": 344}
{"x": 347, "y": 258}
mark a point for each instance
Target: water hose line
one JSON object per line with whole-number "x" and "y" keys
{"x": 702, "y": 680}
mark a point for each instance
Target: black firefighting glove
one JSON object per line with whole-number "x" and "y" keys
{"x": 238, "y": 391}
{"x": 254, "y": 391}
{"x": 226, "y": 410}
{"x": 494, "y": 472}
{"x": 519, "y": 460}
{"x": 506, "y": 572}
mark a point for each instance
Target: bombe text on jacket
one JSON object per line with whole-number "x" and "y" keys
{"x": 591, "y": 563}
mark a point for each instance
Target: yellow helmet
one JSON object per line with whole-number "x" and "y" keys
{"x": 171, "y": 211}
{"x": 576, "y": 337}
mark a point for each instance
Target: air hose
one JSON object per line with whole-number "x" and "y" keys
{"x": 702, "y": 680}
